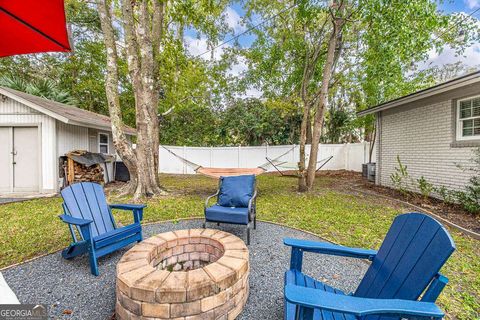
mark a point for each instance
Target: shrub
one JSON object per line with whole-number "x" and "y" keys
{"x": 448, "y": 196}
{"x": 425, "y": 187}
{"x": 470, "y": 198}
{"x": 400, "y": 177}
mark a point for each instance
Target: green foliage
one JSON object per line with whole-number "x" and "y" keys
{"x": 470, "y": 197}
{"x": 245, "y": 122}
{"x": 425, "y": 187}
{"x": 379, "y": 49}
{"x": 44, "y": 88}
{"x": 339, "y": 127}
{"x": 400, "y": 177}
{"x": 190, "y": 125}
{"x": 447, "y": 196}
{"x": 252, "y": 122}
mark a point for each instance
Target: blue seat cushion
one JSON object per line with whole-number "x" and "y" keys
{"x": 218, "y": 213}
{"x": 300, "y": 279}
{"x": 236, "y": 191}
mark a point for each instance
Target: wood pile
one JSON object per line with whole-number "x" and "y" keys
{"x": 78, "y": 172}
{"x": 82, "y": 173}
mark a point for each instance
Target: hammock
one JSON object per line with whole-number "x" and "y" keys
{"x": 224, "y": 172}
{"x": 294, "y": 165}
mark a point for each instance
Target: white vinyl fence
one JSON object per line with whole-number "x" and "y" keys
{"x": 348, "y": 156}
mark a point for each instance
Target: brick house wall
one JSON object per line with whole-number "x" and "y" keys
{"x": 422, "y": 133}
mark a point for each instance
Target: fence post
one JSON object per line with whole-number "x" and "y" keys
{"x": 238, "y": 157}
{"x": 184, "y": 169}
{"x": 346, "y": 152}
{"x": 211, "y": 156}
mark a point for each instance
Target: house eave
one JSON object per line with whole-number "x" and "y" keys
{"x": 444, "y": 87}
{"x": 103, "y": 128}
{"x": 59, "y": 117}
{"x": 34, "y": 106}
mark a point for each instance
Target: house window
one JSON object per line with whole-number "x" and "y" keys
{"x": 103, "y": 143}
{"x": 468, "y": 116}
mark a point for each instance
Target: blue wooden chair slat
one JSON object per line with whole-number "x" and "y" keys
{"x": 86, "y": 208}
{"x": 300, "y": 279}
{"x": 415, "y": 257}
{"x": 98, "y": 206}
{"x": 419, "y": 246}
{"x": 77, "y": 205}
{"x": 406, "y": 265}
{"x": 390, "y": 262}
{"x": 377, "y": 262}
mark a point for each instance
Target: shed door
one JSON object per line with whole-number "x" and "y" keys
{"x": 25, "y": 159}
{"x": 5, "y": 159}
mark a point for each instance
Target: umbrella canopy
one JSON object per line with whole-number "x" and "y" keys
{"x": 28, "y": 26}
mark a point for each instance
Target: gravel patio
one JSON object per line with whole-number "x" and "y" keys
{"x": 71, "y": 292}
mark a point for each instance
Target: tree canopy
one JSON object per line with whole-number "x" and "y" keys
{"x": 377, "y": 58}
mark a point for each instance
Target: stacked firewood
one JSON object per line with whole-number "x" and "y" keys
{"x": 83, "y": 166}
{"x": 83, "y": 173}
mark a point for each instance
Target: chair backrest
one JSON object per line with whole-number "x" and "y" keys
{"x": 412, "y": 253}
{"x": 236, "y": 191}
{"x": 86, "y": 200}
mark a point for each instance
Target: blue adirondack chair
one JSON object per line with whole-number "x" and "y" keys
{"x": 86, "y": 209}
{"x": 236, "y": 202}
{"x": 406, "y": 265}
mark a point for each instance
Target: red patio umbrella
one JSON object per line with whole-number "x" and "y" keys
{"x": 28, "y": 26}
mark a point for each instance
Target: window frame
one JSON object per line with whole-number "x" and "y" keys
{"x": 459, "y": 122}
{"x": 103, "y": 143}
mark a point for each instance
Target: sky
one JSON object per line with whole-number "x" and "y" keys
{"x": 235, "y": 13}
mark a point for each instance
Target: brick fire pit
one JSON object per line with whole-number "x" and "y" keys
{"x": 186, "y": 274}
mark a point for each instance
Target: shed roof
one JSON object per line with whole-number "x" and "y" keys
{"x": 436, "y": 89}
{"x": 63, "y": 112}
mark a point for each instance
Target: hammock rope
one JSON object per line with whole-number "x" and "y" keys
{"x": 218, "y": 172}
{"x": 293, "y": 165}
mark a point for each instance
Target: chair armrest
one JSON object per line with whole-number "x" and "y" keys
{"x": 127, "y": 206}
{"x": 76, "y": 221}
{"x": 137, "y": 210}
{"x": 314, "y": 298}
{"x": 329, "y": 248}
{"x": 210, "y": 197}
{"x": 251, "y": 204}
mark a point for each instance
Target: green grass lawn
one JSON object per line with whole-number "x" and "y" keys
{"x": 31, "y": 228}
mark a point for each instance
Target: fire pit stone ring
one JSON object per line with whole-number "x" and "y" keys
{"x": 184, "y": 274}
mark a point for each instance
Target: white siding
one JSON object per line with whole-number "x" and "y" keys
{"x": 93, "y": 147}
{"x": 71, "y": 138}
{"x": 15, "y": 113}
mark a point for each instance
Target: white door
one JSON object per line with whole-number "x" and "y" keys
{"x": 25, "y": 159}
{"x": 6, "y": 183}
{"x": 19, "y": 159}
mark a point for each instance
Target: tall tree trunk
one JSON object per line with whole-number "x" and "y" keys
{"x": 120, "y": 141}
{"x": 322, "y": 100}
{"x": 302, "y": 173}
{"x": 142, "y": 37}
{"x": 311, "y": 59}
